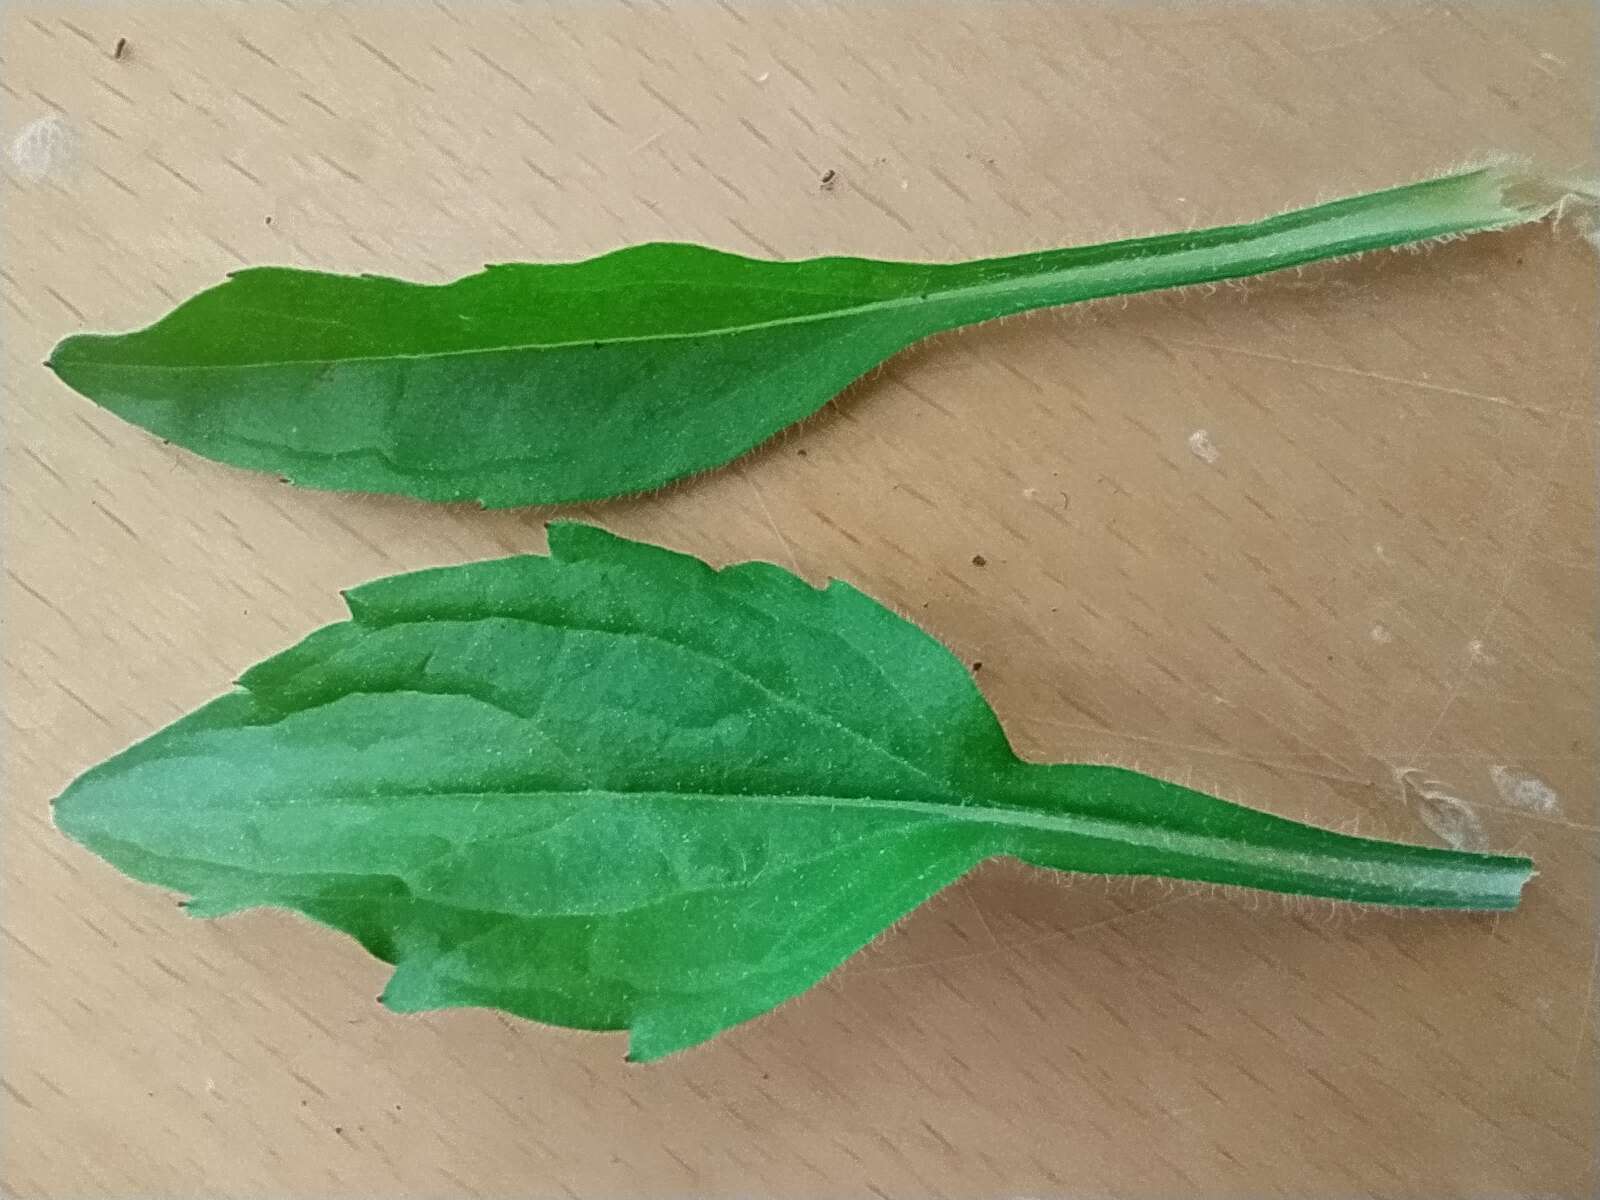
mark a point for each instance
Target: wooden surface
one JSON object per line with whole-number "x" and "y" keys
{"x": 1324, "y": 544}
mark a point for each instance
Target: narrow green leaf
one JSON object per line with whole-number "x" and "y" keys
{"x": 534, "y": 384}
{"x": 614, "y": 788}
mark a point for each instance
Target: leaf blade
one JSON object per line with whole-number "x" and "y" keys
{"x": 626, "y": 371}
{"x": 616, "y": 788}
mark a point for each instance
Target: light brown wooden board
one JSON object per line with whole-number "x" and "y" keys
{"x": 1389, "y": 564}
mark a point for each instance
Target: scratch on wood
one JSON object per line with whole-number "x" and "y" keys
{"x": 1335, "y": 368}
{"x": 761, "y": 499}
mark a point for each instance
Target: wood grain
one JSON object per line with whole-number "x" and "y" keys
{"x": 1374, "y": 608}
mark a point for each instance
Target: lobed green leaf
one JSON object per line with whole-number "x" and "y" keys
{"x": 613, "y": 788}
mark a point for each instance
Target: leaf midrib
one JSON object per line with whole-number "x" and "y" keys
{"x": 1157, "y": 837}
{"x": 875, "y": 306}
{"x": 1247, "y": 233}
{"x": 1331, "y": 865}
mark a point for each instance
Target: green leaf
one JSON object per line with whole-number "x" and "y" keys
{"x": 534, "y": 384}
{"x": 613, "y": 788}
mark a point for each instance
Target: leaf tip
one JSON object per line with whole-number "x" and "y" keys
{"x": 641, "y": 1049}
{"x": 570, "y": 540}
{"x": 62, "y": 352}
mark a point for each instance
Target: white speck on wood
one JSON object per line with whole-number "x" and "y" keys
{"x": 43, "y": 148}
{"x": 1452, "y": 819}
{"x": 1201, "y": 446}
{"x": 1522, "y": 790}
{"x": 1381, "y": 634}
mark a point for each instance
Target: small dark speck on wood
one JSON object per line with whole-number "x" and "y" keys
{"x": 829, "y": 178}
{"x": 801, "y": 453}
{"x": 979, "y": 560}
{"x": 269, "y": 220}
{"x": 977, "y": 665}
{"x": 121, "y": 50}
